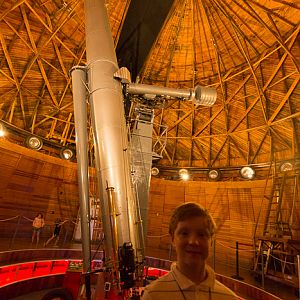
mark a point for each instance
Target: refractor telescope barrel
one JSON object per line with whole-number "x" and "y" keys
{"x": 109, "y": 128}
{"x": 200, "y": 95}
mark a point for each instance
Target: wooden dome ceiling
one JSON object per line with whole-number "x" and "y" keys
{"x": 248, "y": 50}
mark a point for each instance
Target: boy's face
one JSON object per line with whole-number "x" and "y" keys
{"x": 192, "y": 241}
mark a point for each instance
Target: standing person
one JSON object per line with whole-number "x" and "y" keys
{"x": 57, "y": 226}
{"x": 37, "y": 225}
{"x": 192, "y": 229}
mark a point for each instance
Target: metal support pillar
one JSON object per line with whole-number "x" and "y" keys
{"x": 80, "y": 116}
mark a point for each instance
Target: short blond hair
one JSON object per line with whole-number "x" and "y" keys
{"x": 187, "y": 210}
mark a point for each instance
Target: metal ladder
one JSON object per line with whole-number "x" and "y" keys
{"x": 96, "y": 220}
{"x": 275, "y": 224}
{"x": 263, "y": 256}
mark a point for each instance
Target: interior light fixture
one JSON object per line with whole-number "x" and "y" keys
{"x": 247, "y": 172}
{"x": 2, "y": 130}
{"x": 286, "y": 166}
{"x": 66, "y": 153}
{"x": 214, "y": 174}
{"x": 184, "y": 174}
{"x": 34, "y": 142}
{"x": 154, "y": 171}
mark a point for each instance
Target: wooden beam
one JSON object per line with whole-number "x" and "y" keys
{"x": 283, "y": 79}
{"x": 280, "y": 137}
{"x": 219, "y": 61}
{"x": 80, "y": 58}
{"x": 221, "y": 109}
{"x": 176, "y": 141}
{"x": 8, "y": 77}
{"x": 260, "y": 92}
{"x": 9, "y": 61}
{"x": 53, "y": 33}
{"x": 247, "y": 124}
{"x": 295, "y": 140}
{"x": 259, "y": 146}
{"x": 168, "y": 155}
{"x": 66, "y": 130}
{"x": 13, "y": 72}
{"x": 206, "y": 42}
{"x": 61, "y": 108}
{"x": 22, "y": 109}
{"x": 10, "y": 112}
{"x": 267, "y": 53}
{"x": 237, "y": 27}
{"x": 55, "y": 68}
{"x": 11, "y": 43}
{"x": 220, "y": 150}
{"x": 273, "y": 12}
{"x": 193, "y": 84}
{"x": 261, "y": 127}
{"x": 288, "y": 3}
{"x": 278, "y": 38}
{"x": 52, "y": 129}
{"x": 237, "y": 147}
{"x": 13, "y": 7}
{"x": 13, "y": 89}
{"x": 39, "y": 62}
{"x": 181, "y": 119}
{"x": 209, "y": 154}
{"x": 201, "y": 152}
{"x": 181, "y": 10}
{"x": 284, "y": 100}
{"x": 17, "y": 33}
{"x": 60, "y": 59}
{"x": 292, "y": 116}
{"x": 263, "y": 89}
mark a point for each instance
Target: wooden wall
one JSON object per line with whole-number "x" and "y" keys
{"x": 237, "y": 208}
{"x": 32, "y": 182}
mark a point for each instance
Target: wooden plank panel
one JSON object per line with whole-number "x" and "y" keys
{"x": 32, "y": 182}
{"x": 234, "y": 206}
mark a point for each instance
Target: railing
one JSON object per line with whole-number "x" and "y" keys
{"x": 233, "y": 260}
{"x": 11, "y": 274}
{"x": 19, "y": 279}
{"x": 17, "y": 232}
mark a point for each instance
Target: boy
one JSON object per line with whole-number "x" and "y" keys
{"x": 191, "y": 228}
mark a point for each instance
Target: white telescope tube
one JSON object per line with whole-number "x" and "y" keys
{"x": 200, "y": 95}
{"x": 109, "y": 124}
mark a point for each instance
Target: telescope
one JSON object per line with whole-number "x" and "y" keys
{"x": 199, "y": 95}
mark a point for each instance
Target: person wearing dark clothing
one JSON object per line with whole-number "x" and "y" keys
{"x": 57, "y": 226}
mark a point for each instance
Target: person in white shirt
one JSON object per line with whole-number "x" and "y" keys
{"x": 192, "y": 229}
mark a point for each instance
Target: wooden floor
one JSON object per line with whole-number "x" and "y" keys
{"x": 280, "y": 290}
